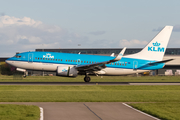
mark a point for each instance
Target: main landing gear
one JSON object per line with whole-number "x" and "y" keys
{"x": 87, "y": 78}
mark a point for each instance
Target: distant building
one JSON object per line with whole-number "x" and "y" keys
{"x": 107, "y": 51}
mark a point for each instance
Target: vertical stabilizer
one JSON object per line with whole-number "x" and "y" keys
{"x": 156, "y": 48}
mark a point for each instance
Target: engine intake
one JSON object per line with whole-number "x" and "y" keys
{"x": 67, "y": 71}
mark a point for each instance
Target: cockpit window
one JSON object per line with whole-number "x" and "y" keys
{"x": 17, "y": 56}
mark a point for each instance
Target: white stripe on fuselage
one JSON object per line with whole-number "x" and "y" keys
{"x": 53, "y": 67}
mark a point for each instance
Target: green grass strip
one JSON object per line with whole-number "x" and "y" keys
{"x": 80, "y": 78}
{"x": 18, "y": 93}
{"x": 164, "y": 111}
{"x": 19, "y": 112}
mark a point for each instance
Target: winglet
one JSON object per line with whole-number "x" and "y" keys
{"x": 120, "y": 54}
{"x": 112, "y": 55}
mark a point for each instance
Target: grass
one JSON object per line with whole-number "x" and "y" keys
{"x": 160, "y": 101}
{"x": 13, "y": 93}
{"x": 164, "y": 111}
{"x": 80, "y": 78}
{"x": 19, "y": 112}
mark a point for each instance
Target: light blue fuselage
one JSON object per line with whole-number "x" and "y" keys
{"x": 49, "y": 61}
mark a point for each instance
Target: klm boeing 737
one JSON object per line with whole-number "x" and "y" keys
{"x": 70, "y": 65}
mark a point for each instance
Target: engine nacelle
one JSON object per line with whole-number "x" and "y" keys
{"x": 20, "y": 69}
{"x": 67, "y": 71}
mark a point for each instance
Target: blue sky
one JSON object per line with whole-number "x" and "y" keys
{"x": 27, "y": 25}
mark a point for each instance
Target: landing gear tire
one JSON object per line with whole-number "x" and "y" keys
{"x": 24, "y": 76}
{"x": 87, "y": 79}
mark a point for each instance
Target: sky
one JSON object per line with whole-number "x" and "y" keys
{"x": 40, "y": 24}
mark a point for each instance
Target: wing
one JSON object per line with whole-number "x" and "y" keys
{"x": 99, "y": 65}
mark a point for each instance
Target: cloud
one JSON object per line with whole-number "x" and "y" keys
{"x": 98, "y": 32}
{"x": 132, "y": 43}
{"x": 176, "y": 28}
{"x": 26, "y": 34}
{"x": 9, "y": 21}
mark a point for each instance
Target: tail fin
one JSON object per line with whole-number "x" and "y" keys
{"x": 156, "y": 48}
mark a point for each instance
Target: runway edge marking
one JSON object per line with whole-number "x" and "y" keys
{"x": 141, "y": 111}
{"x": 41, "y": 113}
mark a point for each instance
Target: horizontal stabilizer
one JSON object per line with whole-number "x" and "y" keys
{"x": 164, "y": 61}
{"x": 154, "y": 63}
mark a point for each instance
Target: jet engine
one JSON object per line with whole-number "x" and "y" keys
{"x": 67, "y": 71}
{"x": 20, "y": 69}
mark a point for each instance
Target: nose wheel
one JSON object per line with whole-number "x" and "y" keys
{"x": 87, "y": 78}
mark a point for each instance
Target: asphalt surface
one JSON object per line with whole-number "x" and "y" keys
{"x": 86, "y": 111}
{"x": 90, "y": 83}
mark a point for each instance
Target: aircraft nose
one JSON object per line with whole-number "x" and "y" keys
{"x": 7, "y": 61}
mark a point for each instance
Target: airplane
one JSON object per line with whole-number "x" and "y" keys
{"x": 70, "y": 65}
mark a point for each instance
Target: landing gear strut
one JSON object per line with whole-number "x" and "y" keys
{"x": 87, "y": 78}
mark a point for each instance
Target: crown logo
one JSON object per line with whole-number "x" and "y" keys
{"x": 48, "y": 54}
{"x": 156, "y": 44}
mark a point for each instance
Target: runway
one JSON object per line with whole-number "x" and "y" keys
{"x": 90, "y": 83}
{"x": 86, "y": 111}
